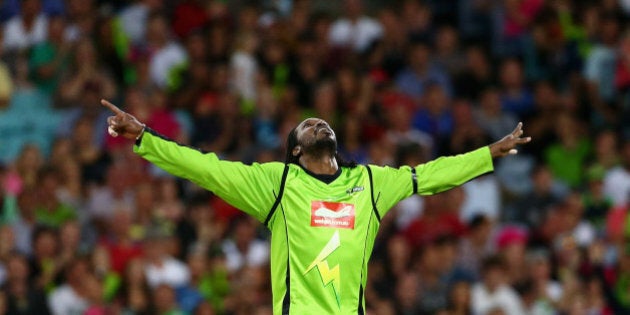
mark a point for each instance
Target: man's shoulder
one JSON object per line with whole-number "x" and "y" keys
{"x": 384, "y": 168}
{"x": 386, "y": 172}
{"x": 270, "y": 166}
{"x": 271, "y": 170}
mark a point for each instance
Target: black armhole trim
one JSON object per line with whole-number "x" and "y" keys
{"x": 280, "y": 193}
{"x": 361, "y": 293}
{"x": 414, "y": 180}
{"x": 378, "y": 216}
{"x": 286, "y": 301}
{"x": 361, "y": 311}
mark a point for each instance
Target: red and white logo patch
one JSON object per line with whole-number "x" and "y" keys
{"x": 332, "y": 214}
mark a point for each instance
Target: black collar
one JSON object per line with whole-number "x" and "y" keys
{"x": 323, "y": 177}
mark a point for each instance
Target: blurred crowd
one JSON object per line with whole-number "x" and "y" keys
{"x": 87, "y": 227}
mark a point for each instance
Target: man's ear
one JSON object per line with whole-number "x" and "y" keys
{"x": 297, "y": 150}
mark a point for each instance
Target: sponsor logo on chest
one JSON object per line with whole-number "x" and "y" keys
{"x": 354, "y": 189}
{"x": 332, "y": 214}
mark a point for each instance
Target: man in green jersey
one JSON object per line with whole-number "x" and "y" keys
{"x": 323, "y": 214}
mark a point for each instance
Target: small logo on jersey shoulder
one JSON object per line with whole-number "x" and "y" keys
{"x": 354, "y": 190}
{"x": 332, "y": 214}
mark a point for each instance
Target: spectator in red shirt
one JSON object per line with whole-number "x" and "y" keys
{"x": 440, "y": 217}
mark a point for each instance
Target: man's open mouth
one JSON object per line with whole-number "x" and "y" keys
{"x": 324, "y": 129}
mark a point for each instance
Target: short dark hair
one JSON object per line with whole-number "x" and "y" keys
{"x": 477, "y": 221}
{"x": 492, "y": 262}
{"x": 47, "y": 171}
{"x": 41, "y": 230}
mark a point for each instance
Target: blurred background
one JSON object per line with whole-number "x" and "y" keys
{"x": 87, "y": 227}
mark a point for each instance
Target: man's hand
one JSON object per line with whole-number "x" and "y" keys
{"x": 507, "y": 145}
{"x": 123, "y": 124}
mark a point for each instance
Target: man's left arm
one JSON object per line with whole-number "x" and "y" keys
{"x": 447, "y": 172}
{"x": 443, "y": 173}
{"x": 394, "y": 184}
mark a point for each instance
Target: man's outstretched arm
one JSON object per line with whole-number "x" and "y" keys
{"x": 448, "y": 172}
{"x": 442, "y": 173}
{"x": 249, "y": 188}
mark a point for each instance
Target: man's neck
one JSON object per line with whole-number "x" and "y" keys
{"x": 320, "y": 165}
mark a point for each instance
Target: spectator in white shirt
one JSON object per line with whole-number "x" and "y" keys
{"x": 483, "y": 196}
{"x": 28, "y": 28}
{"x": 69, "y": 298}
{"x": 244, "y": 68}
{"x": 617, "y": 179}
{"x": 539, "y": 266}
{"x": 491, "y": 117}
{"x": 167, "y": 56}
{"x": 134, "y": 18}
{"x": 243, "y": 249}
{"x": 493, "y": 293}
{"x": 355, "y": 30}
{"x": 161, "y": 268}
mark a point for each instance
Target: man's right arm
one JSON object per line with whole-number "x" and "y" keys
{"x": 247, "y": 187}
{"x": 252, "y": 188}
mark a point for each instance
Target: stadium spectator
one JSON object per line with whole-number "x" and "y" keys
{"x": 50, "y": 210}
{"x": 79, "y": 21}
{"x": 355, "y": 30}
{"x": 494, "y": 292}
{"x": 476, "y": 244}
{"x": 422, "y": 72}
{"x": 435, "y": 116}
{"x": 617, "y": 180}
{"x": 135, "y": 292}
{"x": 134, "y": 20}
{"x": 532, "y": 208}
{"x": 489, "y": 114}
{"x": 49, "y": 59}
{"x": 165, "y": 302}
{"x": 85, "y": 78}
{"x": 567, "y": 156}
{"x": 167, "y": 57}
{"x": 23, "y": 296}
{"x": 475, "y": 76}
{"x": 548, "y": 292}
{"x": 162, "y": 268}
{"x": 599, "y": 67}
{"x": 243, "y": 249}
{"x": 516, "y": 98}
{"x": 71, "y": 296}
{"x": 26, "y": 29}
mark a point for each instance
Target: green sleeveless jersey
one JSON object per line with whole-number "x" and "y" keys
{"x": 322, "y": 234}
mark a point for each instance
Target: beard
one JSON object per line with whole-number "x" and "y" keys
{"x": 326, "y": 146}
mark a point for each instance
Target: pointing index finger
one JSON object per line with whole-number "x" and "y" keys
{"x": 112, "y": 107}
{"x": 517, "y": 129}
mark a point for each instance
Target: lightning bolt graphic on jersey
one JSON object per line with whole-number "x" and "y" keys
{"x": 328, "y": 275}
